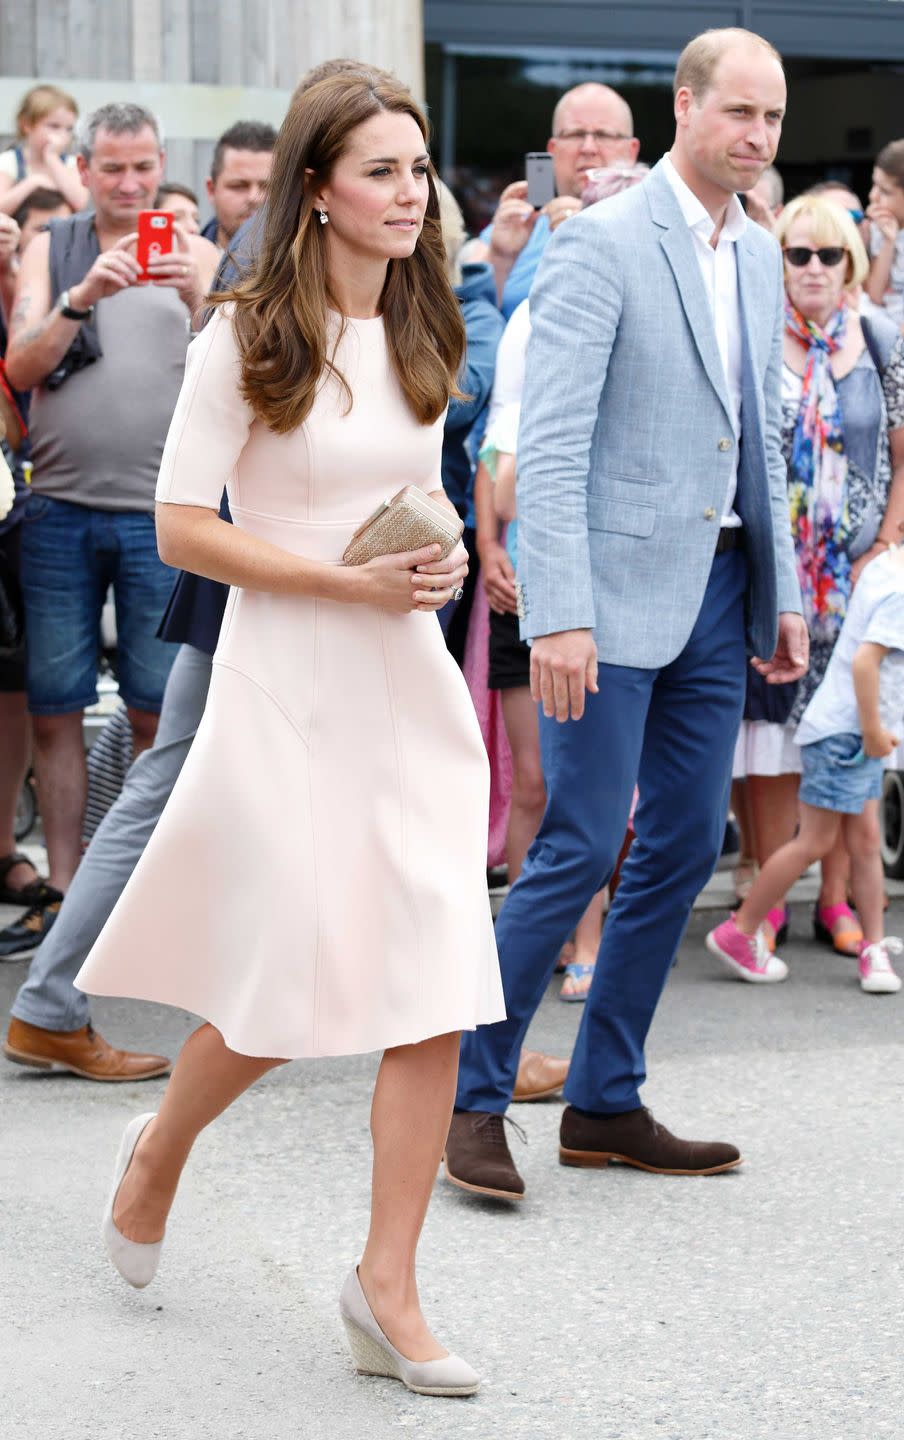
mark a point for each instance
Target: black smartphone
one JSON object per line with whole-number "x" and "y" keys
{"x": 540, "y": 177}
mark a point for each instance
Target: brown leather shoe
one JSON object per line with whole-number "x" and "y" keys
{"x": 637, "y": 1139}
{"x": 478, "y": 1158}
{"x": 84, "y": 1052}
{"x": 539, "y": 1075}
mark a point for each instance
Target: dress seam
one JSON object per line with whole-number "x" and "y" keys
{"x": 419, "y": 951}
{"x": 228, "y": 665}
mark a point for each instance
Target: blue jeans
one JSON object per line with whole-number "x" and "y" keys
{"x": 71, "y": 554}
{"x": 673, "y": 732}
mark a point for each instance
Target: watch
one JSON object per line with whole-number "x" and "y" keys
{"x": 70, "y": 313}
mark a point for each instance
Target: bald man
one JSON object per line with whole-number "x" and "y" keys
{"x": 592, "y": 126}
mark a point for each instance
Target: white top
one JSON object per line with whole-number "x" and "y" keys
{"x": 9, "y": 164}
{"x": 508, "y": 383}
{"x": 719, "y": 269}
{"x": 875, "y": 616}
{"x": 893, "y": 299}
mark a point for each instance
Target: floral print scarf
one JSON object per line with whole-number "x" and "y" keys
{"x": 817, "y": 479}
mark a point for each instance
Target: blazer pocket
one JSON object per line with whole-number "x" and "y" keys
{"x": 624, "y": 517}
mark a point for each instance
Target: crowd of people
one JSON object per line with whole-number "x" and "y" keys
{"x": 673, "y": 428}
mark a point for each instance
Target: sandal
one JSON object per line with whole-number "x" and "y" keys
{"x": 576, "y": 972}
{"x": 26, "y": 894}
{"x": 837, "y": 925}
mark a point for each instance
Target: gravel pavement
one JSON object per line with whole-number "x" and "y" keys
{"x": 760, "y": 1305}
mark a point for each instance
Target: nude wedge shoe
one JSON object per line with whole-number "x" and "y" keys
{"x": 135, "y": 1262}
{"x": 374, "y": 1355}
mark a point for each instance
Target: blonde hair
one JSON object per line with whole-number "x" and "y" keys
{"x": 699, "y": 58}
{"x": 39, "y": 102}
{"x": 452, "y": 223}
{"x": 829, "y": 224}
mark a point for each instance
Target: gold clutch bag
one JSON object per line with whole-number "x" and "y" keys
{"x": 409, "y": 521}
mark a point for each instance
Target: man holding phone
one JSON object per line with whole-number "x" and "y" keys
{"x": 592, "y": 126}
{"x": 105, "y": 357}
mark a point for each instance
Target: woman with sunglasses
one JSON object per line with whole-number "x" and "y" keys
{"x": 843, "y": 441}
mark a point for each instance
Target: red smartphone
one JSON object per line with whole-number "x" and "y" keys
{"x": 155, "y": 237}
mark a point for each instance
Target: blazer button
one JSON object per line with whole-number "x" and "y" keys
{"x": 709, "y": 513}
{"x": 725, "y": 443}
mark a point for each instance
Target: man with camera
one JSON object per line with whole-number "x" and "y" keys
{"x": 102, "y": 345}
{"x": 592, "y": 127}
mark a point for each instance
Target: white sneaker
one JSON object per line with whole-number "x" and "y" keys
{"x": 876, "y": 974}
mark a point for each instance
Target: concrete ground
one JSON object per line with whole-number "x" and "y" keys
{"x": 760, "y": 1305}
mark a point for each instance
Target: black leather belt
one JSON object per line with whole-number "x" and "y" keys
{"x": 731, "y": 537}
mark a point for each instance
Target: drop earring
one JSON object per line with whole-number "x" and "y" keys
{"x": 323, "y": 216}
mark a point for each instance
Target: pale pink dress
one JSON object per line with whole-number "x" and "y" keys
{"x": 316, "y": 884}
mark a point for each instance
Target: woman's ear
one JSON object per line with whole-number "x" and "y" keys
{"x": 316, "y": 197}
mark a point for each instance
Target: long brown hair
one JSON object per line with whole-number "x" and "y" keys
{"x": 281, "y": 307}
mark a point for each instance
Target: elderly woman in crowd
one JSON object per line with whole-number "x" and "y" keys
{"x": 843, "y": 440}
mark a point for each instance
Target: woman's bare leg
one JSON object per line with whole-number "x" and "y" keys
{"x": 206, "y": 1078}
{"x": 412, "y": 1108}
{"x": 519, "y": 714}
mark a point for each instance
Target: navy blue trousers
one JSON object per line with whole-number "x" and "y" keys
{"x": 673, "y": 732}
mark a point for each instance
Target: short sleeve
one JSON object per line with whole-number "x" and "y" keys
{"x": 211, "y": 421}
{"x": 8, "y": 164}
{"x": 886, "y": 624}
{"x": 893, "y": 385}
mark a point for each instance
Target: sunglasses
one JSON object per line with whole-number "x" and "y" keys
{"x": 829, "y": 255}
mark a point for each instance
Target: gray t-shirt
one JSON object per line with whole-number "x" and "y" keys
{"x": 98, "y": 440}
{"x": 875, "y": 616}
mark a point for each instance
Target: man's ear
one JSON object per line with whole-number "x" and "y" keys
{"x": 82, "y": 164}
{"x": 210, "y": 188}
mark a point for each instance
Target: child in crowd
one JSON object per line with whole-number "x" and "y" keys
{"x": 38, "y": 161}
{"x": 850, "y": 725}
{"x": 182, "y": 204}
{"x": 885, "y": 285}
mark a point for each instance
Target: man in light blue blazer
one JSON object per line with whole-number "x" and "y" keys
{"x": 654, "y": 554}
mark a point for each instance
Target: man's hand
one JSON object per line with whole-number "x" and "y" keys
{"x": 498, "y": 575}
{"x": 792, "y": 654}
{"x": 879, "y": 743}
{"x": 9, "y": 241}
{"x": 562, "y": 668}
{"x": 562, "y": 208}
{"x": 513, "y": 223}
{"x": 179, "y": 270}
{"x": 113, "y": 270}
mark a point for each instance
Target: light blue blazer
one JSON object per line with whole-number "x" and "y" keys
{"x": 626, "y": 443}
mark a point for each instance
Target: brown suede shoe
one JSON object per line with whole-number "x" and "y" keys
{"x": 478, "y": 1158}
{"x": 84, "y": 1052}
{"x": 637, "y": 1139}
{"x": 539, "y": 1076}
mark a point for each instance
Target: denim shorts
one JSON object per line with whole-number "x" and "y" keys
{"x": 838, "y": 776}
{"x": 71, "y": 554}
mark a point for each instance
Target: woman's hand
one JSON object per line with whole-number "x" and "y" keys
{"x": 436, "y": 582}
{"x": 389, "y": 582}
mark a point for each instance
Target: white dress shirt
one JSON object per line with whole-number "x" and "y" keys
{"x": 719, "y": 269}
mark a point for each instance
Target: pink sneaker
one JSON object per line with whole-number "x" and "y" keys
{"x": 876, "y": 974}
{"x": 746, "y": 956}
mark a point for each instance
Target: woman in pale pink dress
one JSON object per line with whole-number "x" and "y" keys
{"x": 316, "y": 885}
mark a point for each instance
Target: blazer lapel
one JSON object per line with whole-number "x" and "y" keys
{"x": 678, "y": 244}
